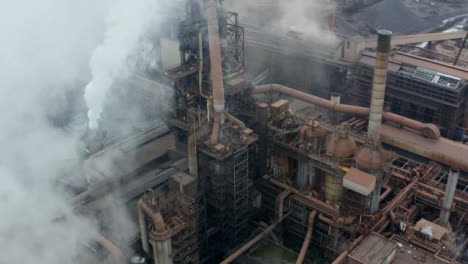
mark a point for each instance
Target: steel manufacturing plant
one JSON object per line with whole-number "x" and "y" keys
{"x": 339, "y": 140}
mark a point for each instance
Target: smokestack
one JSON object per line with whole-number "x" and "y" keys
{"x": 378, "y": 86}
{"x": 450, "y": 189}
{"x": 216, "y": 72}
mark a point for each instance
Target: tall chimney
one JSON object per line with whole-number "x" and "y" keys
{"x": 450, "y": 189}
{"x": 378, "y": 86}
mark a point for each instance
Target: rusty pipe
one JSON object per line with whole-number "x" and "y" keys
{"x": 143, "y": 227}
{"x": 325, "y": 219}
{"x": 253, "y": 241}
{"x": 315, "y": 203}
{"x": 111, "y": 247}
{"x": 234, "y": 120}
{"x": 200, "y": 66}
{"x": 440, "y": 192}
{"x": 378, "y": 86}
{"x": 215, "y": 133}
{"x": 386, "y": 193}
{"x": 342, "y": 257}
{"x": 216, "y": 70}
{"x": 281, "y": 197}
{"x": 429, "y": 130}
{"x": 308, "y": 237}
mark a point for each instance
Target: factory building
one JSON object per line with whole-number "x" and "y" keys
{"x": 252, "y": 168}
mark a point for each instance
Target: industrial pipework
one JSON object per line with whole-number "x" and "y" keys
{"x": 159, "y": 237}
{"x": 216, "y": 70}
{"x": 308, "y": 237}
{"x": 378, "y": 86}
{"x": 112, "y": 248}
{"x": 429, "y": 130}
{"x": 427, "y": 143}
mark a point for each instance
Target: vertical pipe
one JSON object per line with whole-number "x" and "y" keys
{"x": 378, "y": 85}
{"x": 216, "y": 70}
{"x": 143, "y": 229}
{"x": 375, "y": 199}
{"x": 262, "y": 118}
{"x": 450, "y": 189}
{"x": 161, "y": 241}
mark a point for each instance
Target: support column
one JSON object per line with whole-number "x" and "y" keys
{"x": 450, "y": 189}
{"x": 262, "y": 118}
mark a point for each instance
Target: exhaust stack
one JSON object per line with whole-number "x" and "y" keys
{"x": 378, "y": 86}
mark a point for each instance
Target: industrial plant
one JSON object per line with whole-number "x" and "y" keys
{"x": 277, "y": 147}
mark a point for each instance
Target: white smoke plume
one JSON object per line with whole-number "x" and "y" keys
{"x": 129, "y": 26}
{"x": 45, "y": 51}
{"x": 310, "y": 18}
{"x": 45, "y": 46}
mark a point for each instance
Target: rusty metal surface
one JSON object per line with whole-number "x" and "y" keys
{"x": 359, "y": 181}
{"x": 445, "y": 151}
{"x": 214, "y": 133}
{"x": 216, "y": 71}
{"x": 374, "y": 249}
{"x": 438, "y": 232}
{"x": 343, "y": 147}
{"x": 369, "y": 158}
{"x": 349, "y": 109}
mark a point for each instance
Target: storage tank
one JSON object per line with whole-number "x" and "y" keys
{"x": 339, "y": 147}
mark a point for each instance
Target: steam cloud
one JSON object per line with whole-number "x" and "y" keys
{"x": 306, "y": 17}
{"x": 45, "y": 48}
{"x": 44, "y": 56}
{"x": 129, "y": 25}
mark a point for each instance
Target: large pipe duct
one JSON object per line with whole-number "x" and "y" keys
{"x": 216, "y": 70}
{"x": 429, "y": 130}
{"x": 430, "y": 146}
{"x": 252, "y": 242}
{"x": 378, "y": 86}
{"x": 450, "y": 189}
{"x": 161, "y": 241}
{"x": 112, "y": 248}
{"x": 308, "y": 237}
{"x": 159, "y": 238}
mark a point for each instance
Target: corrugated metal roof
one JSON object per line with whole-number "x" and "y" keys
{"x": 359, "y": 181}
{"x": 431, "y": 65}
{"x": 399, "y": 58}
